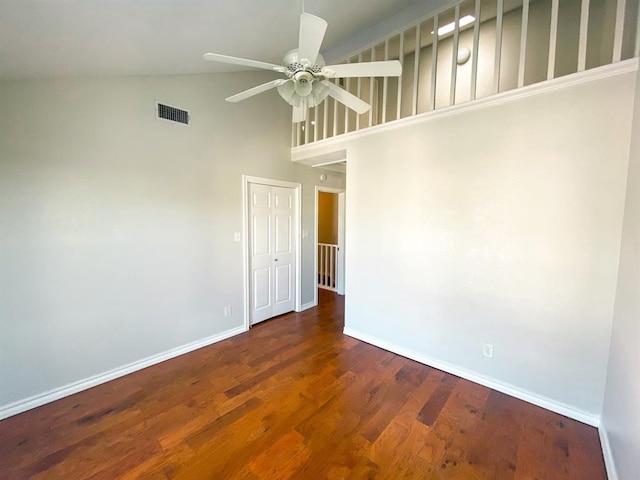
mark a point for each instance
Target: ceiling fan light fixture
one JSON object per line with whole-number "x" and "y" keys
{"x": 450, "y": 27}
{"x": 303, "y": 82}
{"x": 318, "y": 93}
{"x": 303, "y": 88}
{"x": 287, "y": 91}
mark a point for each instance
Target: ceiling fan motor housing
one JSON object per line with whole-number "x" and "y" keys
{"x": 295, "y": 64}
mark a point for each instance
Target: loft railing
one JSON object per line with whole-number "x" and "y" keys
{"x": 327, "y": 266}
{"x": 482, "y": 48}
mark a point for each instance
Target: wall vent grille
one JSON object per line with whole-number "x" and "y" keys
{"x": 173, "y": 114}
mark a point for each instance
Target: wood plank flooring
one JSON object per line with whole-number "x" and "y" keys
{"x": 294, "y": 398}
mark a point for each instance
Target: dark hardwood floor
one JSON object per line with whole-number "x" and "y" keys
{"x": 294, "y": 398}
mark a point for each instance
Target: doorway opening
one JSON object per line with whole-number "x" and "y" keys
{"x": 329, "y": 241}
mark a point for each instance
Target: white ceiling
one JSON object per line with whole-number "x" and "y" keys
{"x": 50, "y": 38}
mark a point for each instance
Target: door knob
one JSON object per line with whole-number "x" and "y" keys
{"x": 275, "y": 259}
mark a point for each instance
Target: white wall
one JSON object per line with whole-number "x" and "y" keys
{"x": 621, "y": 416}
{"x": 500, "y": 225}
{"x": 117, "y": 229}
{"x": 309, "y": 177}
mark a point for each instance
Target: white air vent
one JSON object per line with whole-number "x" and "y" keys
{"x": 172, "y": 114}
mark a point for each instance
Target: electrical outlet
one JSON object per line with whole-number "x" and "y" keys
{"x": 237, "y": 237}
{"x": 487, "y": 350}
{"x": 227, "y": 311}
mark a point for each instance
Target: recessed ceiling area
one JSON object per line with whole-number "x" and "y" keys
{"x": 53, "y": 38}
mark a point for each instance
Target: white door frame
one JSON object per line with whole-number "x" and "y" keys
{"x": 341, "y": 218}
{"x": 297, "y": 187}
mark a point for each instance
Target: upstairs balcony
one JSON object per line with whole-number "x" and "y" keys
{"x": 476, "y": 49}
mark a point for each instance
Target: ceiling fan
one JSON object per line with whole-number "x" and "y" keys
{"x": 307, "y": 83}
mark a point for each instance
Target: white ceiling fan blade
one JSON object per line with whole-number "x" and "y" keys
{"x": 350, "y": 100}
{"x": 312, "y": 31}
{"x": 238, "y": 97}
{"x": 299, "y": 114}
{"x": 389, "y": 68}
{"x": 216, "y": 57}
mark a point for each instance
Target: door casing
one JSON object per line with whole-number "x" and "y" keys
{"x": 341, "y": 243}
{"x": 297, "y": 187}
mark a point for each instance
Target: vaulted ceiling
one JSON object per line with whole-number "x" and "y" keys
{"x": 50, "y": 38}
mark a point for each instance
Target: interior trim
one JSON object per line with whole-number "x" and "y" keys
{"x": 297, "y": 187}
{"x": 607, "y": 453}
{"x": 308, "y": 151}
{"x": 307, "y": 306}
{"x": 506, "y": 388}
{"x": 90, "y": 382}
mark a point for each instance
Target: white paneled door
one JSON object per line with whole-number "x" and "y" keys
{"x": 271, "y": 251}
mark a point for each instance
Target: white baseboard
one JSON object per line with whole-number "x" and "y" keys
{"x": 307, "y": 306}
{"x": 544, "y": 402}
{"x": 75, "y": 387}
{"x": 612, "y": 474}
